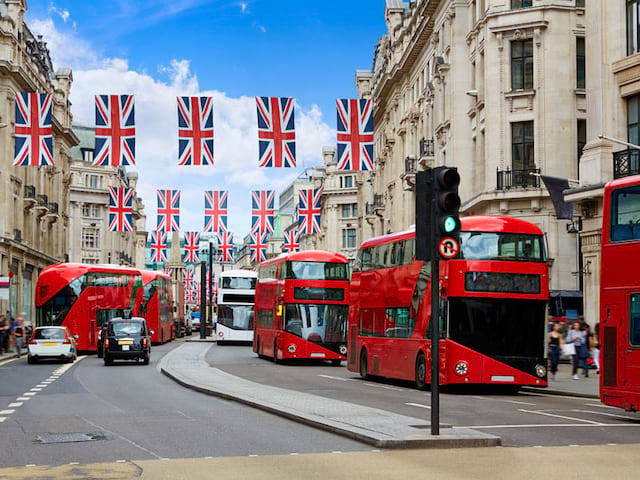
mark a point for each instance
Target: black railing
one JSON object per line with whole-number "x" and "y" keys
{"x": 368, "y": 209}
{"x": 53, "y": 208}
{"x": 43, "y": 200}
{"x": 410, "y": 165}
{"x": 426, "y": 148}
{"x": 378, "y": 201}
{"x": 508, "y": 179}
{"x": 626, "y": 163}
{"x": 29, "y": 191}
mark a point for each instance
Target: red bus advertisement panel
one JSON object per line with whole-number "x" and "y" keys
{"x": 494, "y": 307}
{"x": 619, "y": 330}
{"x": 156, "y": 305}
{"x": 301, "y": 307}
{"x": 83, "y": 297}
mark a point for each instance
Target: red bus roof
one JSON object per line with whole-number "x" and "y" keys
{"x": 475, "y": 223}
{"x": 623, "y": 182}
{"x": 308, "y": 256}
{"x": 149, "y": 275}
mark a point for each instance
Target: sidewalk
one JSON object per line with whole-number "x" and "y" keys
{"x": 187, "y": 366}
{"x": 10, "y": 355}
{"x": 565, "y": 385}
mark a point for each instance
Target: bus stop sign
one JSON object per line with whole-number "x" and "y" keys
{"x": 448, "y": 248}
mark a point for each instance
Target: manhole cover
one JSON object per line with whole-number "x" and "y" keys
{"x": 70, "y": 437}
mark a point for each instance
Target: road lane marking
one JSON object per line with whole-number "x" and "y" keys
{"x": 564, "y": 417}
{"x": 28, "y": 394}
{"x": 30, "y": 465}
{"x": 386, "y": 387}
{"x": 294, "y": 454}
{"x": 2, "y": 419}
{"x": 36, "y": 389}
{"x": 41, "y": 385}
{"x": 550, "y": 425}
{"x": 23, "y": 399}
{"x": 519, "y": 403}
{"x": 337, "y": 378}
{"x": 15, "y": 404}
{"x": 418, "y": 405}
{"x": 153, "y": 454}
{"x": 253, "y": 455}
{"x": 121, "y": 461}
{"x": 599, "y": 405}
{"x": 6, "y": 412}
{"x": 599, "y": 413}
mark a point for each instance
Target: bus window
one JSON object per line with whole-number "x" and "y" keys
{"x": 634, "y": 320}
{"x": 502, "y": 246}
{"x": 317, "y": 271}
{"x": 55, "y": 310}
{"x": 399, "y": 323}
{"x": 625, "y": 214}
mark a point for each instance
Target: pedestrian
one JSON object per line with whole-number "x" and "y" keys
{"x": 554, "y": 341}
{"x": 586, "y": 348}
{"x": 4, "y": 332}
{"x": 17, "y": 329}
{"x": 596, "y": 347}
{"x": 575, "y": 337}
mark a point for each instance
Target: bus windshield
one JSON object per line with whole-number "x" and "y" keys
{"x": 518, "y": 247}
{"x": 316, "y": 271}
{"x": 239, "y": 283}
{"x": 317, "y": 323}
{"x": 625, "y": 214}
{"x": 237, "y": 317}
{"x": 55, "y": 310}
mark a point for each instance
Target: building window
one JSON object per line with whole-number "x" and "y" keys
{"x": 633, "y": 119}
{"x": 349, "y": 238}
{"x": 522, "y": 146}
{"x": 346, "y": 181}
{"x": 95, "y": 211}
{"x": 580, "y": 63}
{"x": 580, "y": 3}
{"x": 582, "y": 136}
{"x": 90, "y": 238}
{"x": 86, "y": 210}
{"x": 633, "y": 24}
{"x": 349, "y": 210}
{"x": 87, "y": 155}
{"x": 91, "y": 181}
{"x": 521, "y": 3}
{"x": 522, "y": 64}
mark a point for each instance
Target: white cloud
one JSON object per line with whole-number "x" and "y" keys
{"x": 243, "y": 7}
{"x": 62, "y": 13}
{"x": 236, "y": 145}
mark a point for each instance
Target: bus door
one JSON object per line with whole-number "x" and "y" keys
{"x": 632, "y": 347}
{"x": 613, "y": 339}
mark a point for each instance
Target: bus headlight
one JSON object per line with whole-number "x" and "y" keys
{"x": 541, "y": 370}
{"x": 342, "y": 349}
{"x": 461, "y": 368}
{"x": 291, "y": 348}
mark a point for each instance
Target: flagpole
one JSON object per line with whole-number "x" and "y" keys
{"x": 572, "y": 180}
{"x": 621, "y": 142}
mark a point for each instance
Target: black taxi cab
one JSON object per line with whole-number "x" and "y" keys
{"x": 127, "y": 339}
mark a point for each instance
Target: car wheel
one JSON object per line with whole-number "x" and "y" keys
{"x": 364, "y": 372}
{"x": 107, "y": 361}
{"x": 147, "y": 358}
{"x": 31, "y": 360}
{"x": 421, "y": 373}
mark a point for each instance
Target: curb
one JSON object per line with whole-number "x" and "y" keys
{"x": 8, "y": 357}
{"x": 561, "y": 393}
{"x": 445, "y": 440}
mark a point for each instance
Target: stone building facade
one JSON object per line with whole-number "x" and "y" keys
{"x": 494, "y": 87}
{"x": 90, "y": 240}
{"x": 34, "y": 201}
{"x": 613, "y": 110}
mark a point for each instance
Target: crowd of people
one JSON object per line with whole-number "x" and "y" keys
{"x": 578, "y": 343}
{"x": 12, "y": 329}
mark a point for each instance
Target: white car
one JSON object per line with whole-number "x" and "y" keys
{"x": 51, "y": 342}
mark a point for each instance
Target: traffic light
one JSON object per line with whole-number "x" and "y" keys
{"x": 446, "y": 206}
{"x": 424, "y": 200}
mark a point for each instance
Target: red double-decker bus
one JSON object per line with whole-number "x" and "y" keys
{"x": 620, "y": 295}
{"x": 301, "y": 307}
{"x": 83, "y": 297}
{"x": 156, "y": 305}
{"x": 493, "y": 302}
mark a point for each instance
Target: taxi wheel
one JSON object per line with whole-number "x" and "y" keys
{"x": 107, "y": 361}
{"x": 147, "y": 358}
{"x": 100, "y": 351}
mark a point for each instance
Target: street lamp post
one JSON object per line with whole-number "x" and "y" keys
{"x": 203, "y": 300}
{"x": 210, "y": 284}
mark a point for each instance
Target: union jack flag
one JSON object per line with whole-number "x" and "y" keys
{"x": 159, "y": 247}
{"x": 291, "y": 241}
{"x": 120, "y": 209}
{"x": 169, "y": 210}
{"x": 262, "y": 211}
{"x": 276, "y": 132}
{"x": 309, "y": 210}
{"x": 215, "y": 210}
{"x": 195, "y": 130}
{"x": 188, "y": 277}
{"x": 34, "y": 140}
{"x": 115, "y": 131}
{"x": 355, "y": 134}
{"x": 191, "y": 245}
{"x": 191, "y": 296}
{"x": 258, "y": 247}
{"x": 225, "y": 246}
{"x": 168, "y": 271}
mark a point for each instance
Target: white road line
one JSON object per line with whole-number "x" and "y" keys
{"x": 386, "y": 387}
{"x": 28, "y": 394}
{"x": 550, "y": 425}
{"x": 30, "y": 465}
{"x": 6, "y": 412}
{"x": 337, "y": 451}
{"x": 294, "y": 454}
{"x": 254, "y": 455}
{"x": 599, "y": 405}
{"x": 418, "y": 405}
{"x": 612, "y": 444}
{"x": 41, "y": 385}
{"x": 121, "y": 461}
{"x": 74, "y": 463}
{"x": 23, "y": 399}
{"x": 2, "y": 419}
{"x": 123, "y": 438}
{"x": 520, "y": 403}
{"x": 336, "y": 378}
{"x": 572, "y": 445}
{"x": 376, "y": 450}
{"x": 564, "y": 417}
{"x": 36, "y": 389}
{"x": 600, "y": 413}
{"x": 15, "y": 404}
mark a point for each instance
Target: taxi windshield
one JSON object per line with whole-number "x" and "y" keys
{"x": 126, "y": 328}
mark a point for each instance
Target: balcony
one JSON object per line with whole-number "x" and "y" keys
{"x": 626, "y": 163}
{"x": 52, "y": 214}
{"x": 376, "y": 207}
{"x": 427, "y": 153}
{"x": 409, "y": 176}
{"x": 513, "y": 179}
{"x": 42, "y": 205}
{"x": 29, "y": 197}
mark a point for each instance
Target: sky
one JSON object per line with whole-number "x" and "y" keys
{"x": 231, "y": 50}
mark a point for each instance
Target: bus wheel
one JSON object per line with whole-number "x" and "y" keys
{"x": 275, "y": 352}
{"x": 363, "y": 365}
{"x": 421, "y": 373}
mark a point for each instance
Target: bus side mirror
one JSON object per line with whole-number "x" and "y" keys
{"x": 356, "y": 270}
{"x": 76, "y": 336}
{"x": 151, "y": 332}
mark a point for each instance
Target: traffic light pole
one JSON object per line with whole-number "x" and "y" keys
{"x": 435, "y": 326}
{"x": 203, "y": 300}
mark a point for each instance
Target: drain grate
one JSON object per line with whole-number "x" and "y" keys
{"x": 70, "y": 437}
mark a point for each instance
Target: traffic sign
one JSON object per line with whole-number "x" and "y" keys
{"x": 448, "y": 247}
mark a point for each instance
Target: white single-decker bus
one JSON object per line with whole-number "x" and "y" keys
{"x": 236, "y": 296}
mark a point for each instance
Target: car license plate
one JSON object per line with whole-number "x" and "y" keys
{"x": 125, "y": 342}
{"x": 49, "y": 344}
{"x": 125, "y": 348}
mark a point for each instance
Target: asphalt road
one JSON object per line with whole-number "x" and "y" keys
{"x": 524, "y": 419}
{"x": 136, "y": 413}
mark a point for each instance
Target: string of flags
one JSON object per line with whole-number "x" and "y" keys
{"x": 115, "y": 131}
